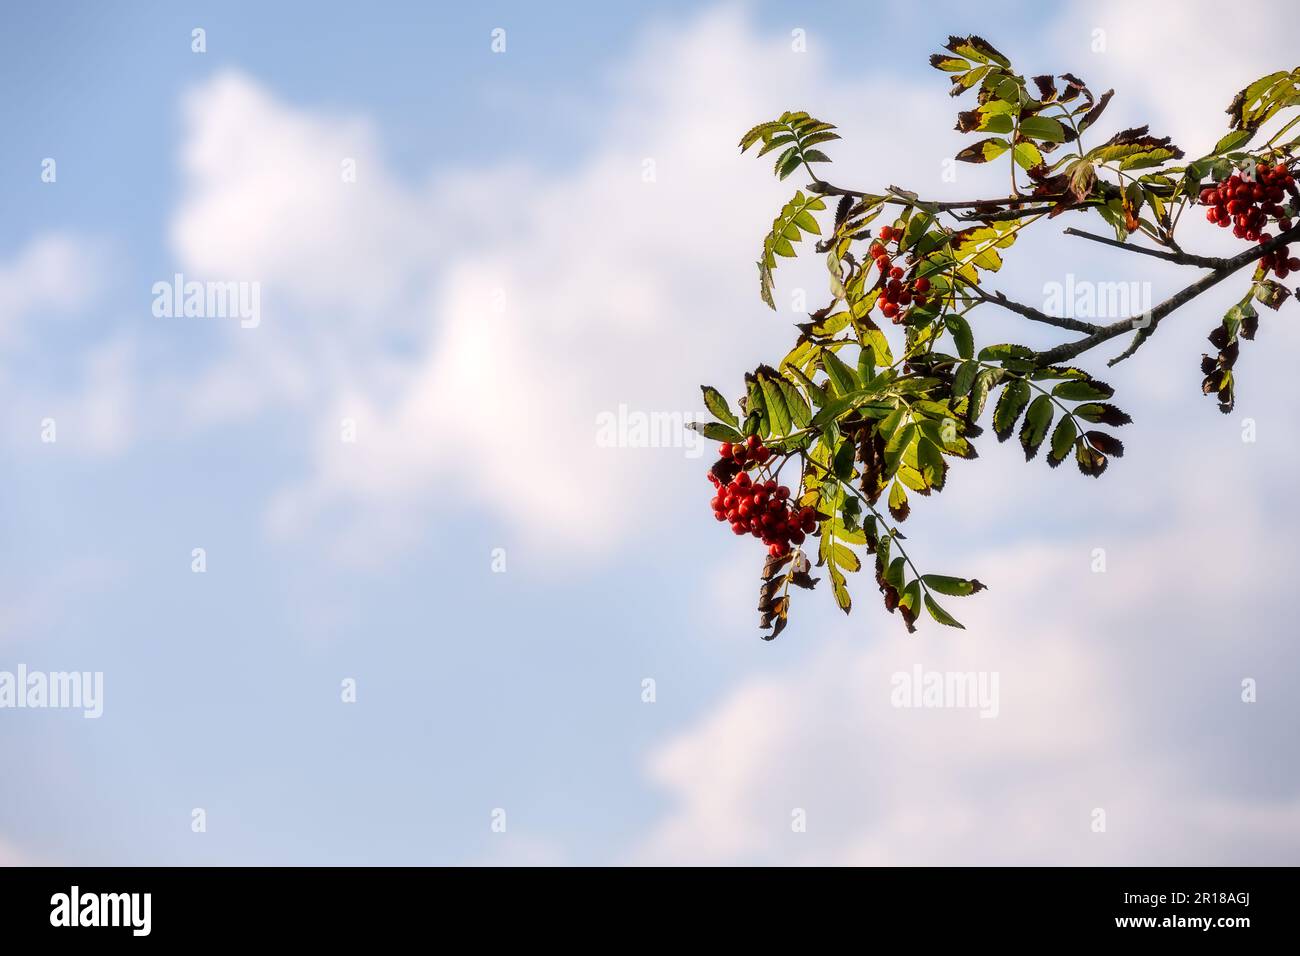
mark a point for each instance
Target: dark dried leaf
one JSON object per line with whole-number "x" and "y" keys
{"x": 1105, "y": 443}
{"x": 1046, "y": 87}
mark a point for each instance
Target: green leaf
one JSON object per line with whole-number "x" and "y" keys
{"x": 929, "y": 461}
{"x": 1027, "y": 156}
{"x": 978, "y": 49}
{"x": 898, "y": 506}
{"x": 826, "y": 551}
{"x": 1043, "y": 128}
{"x": 986, "y": 150}
{"x": 949, "y": 64}
{"x": 1010, "y": 404}
{"x": 955, "y": 587}
{"x": 715, "y": 403}
{"x": 774, "y": 400}
{"x": 1005, "y": 351}
{"x": 1102, "y": 413}
{"x": 1234, "y": 140}
{"x": 794, "y": 219}
{"x": 961, "y": 335}
{"x": 716, "y": 431}
{"x": 940, "y": 615}
{"x": 964, "y": 378}
{"x": 1063, "y": 436}
{"x": 846, "y": 558}
{"x": 1083, "y": 391}
{"x": 843, "y": 379}
{"x": 909, "y": 603}
{"x": 1037, "y": 420}
{"x": 979, "y": 394}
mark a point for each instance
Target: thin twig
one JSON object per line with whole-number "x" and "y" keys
{"x": 1061, "y": 322}
{"x": 1182, "y": 258}
{"x": 1146, "y": 324}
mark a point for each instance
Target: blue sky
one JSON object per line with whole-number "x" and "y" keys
{"x": 498, "y": 276}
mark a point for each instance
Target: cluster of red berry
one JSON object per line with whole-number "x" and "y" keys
{"x": 760, "y": 508}
{"x": 895, "y": 296}
{"x": 1247, "y": 207}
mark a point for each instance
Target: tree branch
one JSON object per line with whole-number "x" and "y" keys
{"x": 948, "y": 205}
{"x": 1178, "y": 256}
{"x": 1145, "y": 325}
{"x": 1061, "y": 322}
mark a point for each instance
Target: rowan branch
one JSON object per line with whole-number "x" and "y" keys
{"x": 823, "y": 188}
{"x": 1034, "y": 315}
{"x": 1145, "y": 324}
{"x": 1178, "y": 256}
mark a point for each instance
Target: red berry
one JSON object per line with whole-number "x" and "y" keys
{"x": 896, "y": 273}
{"x": 725, "y": 449}
{"x": 890, "y": 310}
{"x": 782, "y": 492}
{"x": 763, "y": 454}
{"x": 921, "y": 285}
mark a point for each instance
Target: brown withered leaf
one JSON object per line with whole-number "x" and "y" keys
{"x": 842, "y": 210}
{"x": 804, "y": 580}
{"x": 724, "y": 469}
{"x": 1106, "y": 443}
{"x": 909, "y": 618}
{"x": 1098, "y": 108}
{"x": 967, "y": 120}
{"x": 1091, "y": 461}
{"x": 774, "y": 564}
{"x": 1074, "y": 87}
{"x": 1271, "y": 293}
{"x": 1140, "y": 136}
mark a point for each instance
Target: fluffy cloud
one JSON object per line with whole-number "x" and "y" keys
{"x": 1115, "y": 691}
{"x": 548, "y": 302}
{"x": 54, "y": 280}
{"x": 53, "y": 273}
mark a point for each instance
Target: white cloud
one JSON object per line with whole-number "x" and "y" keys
{"x": 53, "y": 273}
{"x": 558, "y": 298}
{"x": 92, "y": 398}
{"x": 1177, "y": 69}
{"x": 1116, "y": 691}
